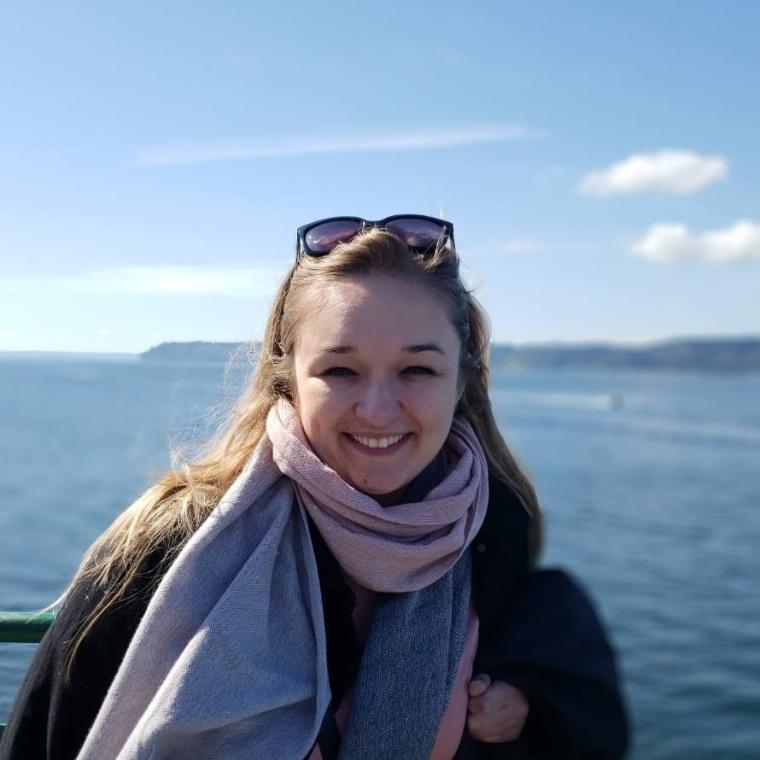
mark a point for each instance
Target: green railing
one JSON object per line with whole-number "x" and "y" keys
{"x": 23, "y": 628}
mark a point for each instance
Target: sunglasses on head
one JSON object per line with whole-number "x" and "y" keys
{"x": 421, "y": 233}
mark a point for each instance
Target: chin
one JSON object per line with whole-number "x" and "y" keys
{"x": 379, "y": 487}
{"x": 381, "y": 490}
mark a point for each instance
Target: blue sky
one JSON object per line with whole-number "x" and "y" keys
{"x": 600, "y": 162}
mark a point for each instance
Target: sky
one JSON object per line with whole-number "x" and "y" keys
{"x": 600, "y": 161}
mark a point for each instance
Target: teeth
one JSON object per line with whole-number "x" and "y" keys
{"x": 377, "y": 443}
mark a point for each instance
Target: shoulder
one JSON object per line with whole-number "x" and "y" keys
{"x": 53, "y": 712}
{"x": 500, "y": 550}
{"x": 103, "y": 647}
{"x": 506, "y": 513}
{"x": 507, "y": 525}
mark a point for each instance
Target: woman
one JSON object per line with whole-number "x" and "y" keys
{"x": 350, "y": 570}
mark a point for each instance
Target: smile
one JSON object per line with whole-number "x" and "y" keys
{"x": 386, "y": 444}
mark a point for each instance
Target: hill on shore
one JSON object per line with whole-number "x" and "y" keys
{"x": 730, "y": 354}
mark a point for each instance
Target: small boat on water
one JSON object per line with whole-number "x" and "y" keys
{"x": 615, "y": 401}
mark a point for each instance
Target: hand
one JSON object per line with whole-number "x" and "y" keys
{"x": 497, "y": 711}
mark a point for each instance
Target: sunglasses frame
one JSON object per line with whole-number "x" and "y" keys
{"x": 303, "y": 250}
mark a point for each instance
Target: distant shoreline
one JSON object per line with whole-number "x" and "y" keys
{"x": 717, "y": 355}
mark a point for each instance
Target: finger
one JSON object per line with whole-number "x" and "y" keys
{"x": 498, "y": 697}
{"x": 485, "y": 729}
{"x": 491, "y": 701}
{"x": 499, "y": 738}
{"x": 479, "y": 685}
{"x": 495, "y": 720}
{"x": 486, "y": 718}
{"x": 482, "y": 705}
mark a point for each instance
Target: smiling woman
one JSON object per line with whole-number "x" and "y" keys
{"x": 351, "y": 570}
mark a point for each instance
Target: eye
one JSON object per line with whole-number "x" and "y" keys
{"x": 337, "y": 372}
{"x": 418, "y": 369}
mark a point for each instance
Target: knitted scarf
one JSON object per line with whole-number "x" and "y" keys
{"x": 229, "y": 659}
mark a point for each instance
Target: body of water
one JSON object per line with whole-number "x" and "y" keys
{"x": 650, "y": 485}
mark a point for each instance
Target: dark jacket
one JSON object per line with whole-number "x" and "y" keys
{"x": 538, "y": 632}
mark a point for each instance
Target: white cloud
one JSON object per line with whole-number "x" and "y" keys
{"x": 741, "y": 241}
{"x": 233, "y": 282}
{"x": 679, "y": 172}
{"x": 520, "y": 245}
{"x": 665, "y": 243}
{"x": 415, "y": 139}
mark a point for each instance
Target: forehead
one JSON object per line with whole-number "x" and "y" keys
{"x": 374, "y": 313}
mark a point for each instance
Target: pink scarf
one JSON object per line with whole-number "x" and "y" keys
{"x": 400, "y": 548}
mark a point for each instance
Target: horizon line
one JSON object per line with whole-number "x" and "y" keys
{"x": 552, "y": 342}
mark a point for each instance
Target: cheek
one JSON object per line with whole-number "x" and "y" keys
{"x": 434, "y": 407}
{"x": 317, "y": 409}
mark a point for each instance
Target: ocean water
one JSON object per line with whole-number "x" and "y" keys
{"x": 650, "y": 485}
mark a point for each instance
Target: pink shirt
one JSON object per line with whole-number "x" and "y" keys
{"x": 455, "y": 716}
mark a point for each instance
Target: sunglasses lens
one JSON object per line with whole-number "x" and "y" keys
{"x": 417, "y": 233}
{"x": 324, "y": 237}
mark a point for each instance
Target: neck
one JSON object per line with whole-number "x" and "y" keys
{"x": 419, "y": 486}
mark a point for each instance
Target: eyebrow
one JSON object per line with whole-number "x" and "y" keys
{"x": 416, "y": 349}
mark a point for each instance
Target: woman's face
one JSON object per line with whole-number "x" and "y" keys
{"x": 376, "y": 379}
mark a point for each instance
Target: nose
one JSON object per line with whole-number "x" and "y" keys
{"x": 378, "y": 405}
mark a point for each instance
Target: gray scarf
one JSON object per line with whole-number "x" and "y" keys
{"x": 408, "y": 667}
{"x": 393, "y": 713}
{"x": 229, "y": 660}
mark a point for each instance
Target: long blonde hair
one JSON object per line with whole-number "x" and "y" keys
{"x": 164, "y": 517}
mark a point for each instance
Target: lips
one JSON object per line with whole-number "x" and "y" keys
{"x": 378, "y": 445}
